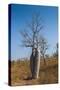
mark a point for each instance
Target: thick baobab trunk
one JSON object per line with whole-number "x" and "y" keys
{"x": 35, "y": 64}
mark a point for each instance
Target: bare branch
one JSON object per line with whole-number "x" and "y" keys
{"x": 31, "y": 32}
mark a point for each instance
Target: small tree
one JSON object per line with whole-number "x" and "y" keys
{"x": 43, "y": 47}
{"x": 56, "y": 51}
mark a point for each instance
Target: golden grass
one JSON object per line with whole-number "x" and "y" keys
{"x": 20, "y": 71}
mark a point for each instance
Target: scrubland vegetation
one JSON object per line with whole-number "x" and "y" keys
{"x": 20, "y": 72}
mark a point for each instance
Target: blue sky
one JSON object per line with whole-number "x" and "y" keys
{"x": 20, "y": 14}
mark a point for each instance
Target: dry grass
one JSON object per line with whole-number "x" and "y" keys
{"x": 20, "y": 71}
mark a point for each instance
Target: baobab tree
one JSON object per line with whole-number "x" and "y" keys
{"x": 31, "y": 38}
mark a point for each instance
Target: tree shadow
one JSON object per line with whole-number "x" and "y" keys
{"x": 28, "y": 78}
